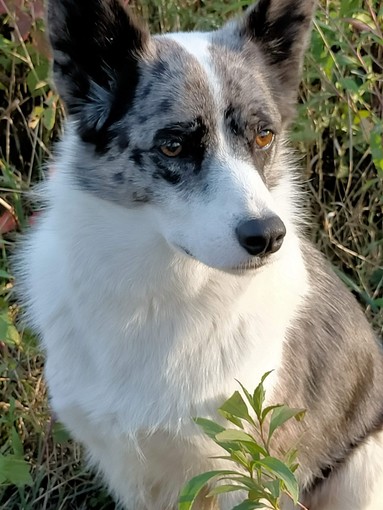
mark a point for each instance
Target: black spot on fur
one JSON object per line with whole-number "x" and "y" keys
{"x": 119, "y": 177}
{"x": 165, "y": 104}
{"x": 232, "y": 120}
{"x": 205, "y": 188}
{"x": 160, "y": 68}
{"x": 123, "y": 140}
{"x": 171, "y": 177}
{"x": 137, "y": 157}
{"x": 166, "y": 170}
{"x": 229, "y": 112}
{"x": 145, "y": 90}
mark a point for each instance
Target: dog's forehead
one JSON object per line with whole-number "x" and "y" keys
{"x": 173, "y": 87}
{"x": 193, "y": 75}
{"x": 228, "y": 68}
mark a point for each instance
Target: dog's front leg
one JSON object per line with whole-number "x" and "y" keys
{"x": 358, "y": 485}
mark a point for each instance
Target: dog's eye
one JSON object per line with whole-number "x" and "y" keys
{"x": 264, "y": 139}
{"x": 172, "y": 149}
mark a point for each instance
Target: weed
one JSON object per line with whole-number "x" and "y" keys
{"x": 261, "y": 477}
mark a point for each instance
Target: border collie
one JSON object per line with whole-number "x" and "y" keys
{"x": 170, "y": 262}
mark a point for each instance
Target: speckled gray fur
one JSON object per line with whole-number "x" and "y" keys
{"x": 172, "y": 86}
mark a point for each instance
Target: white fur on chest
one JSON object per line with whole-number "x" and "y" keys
{"x": 139, "y": 337}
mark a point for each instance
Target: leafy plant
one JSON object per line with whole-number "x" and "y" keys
{"x": 248, "y": 447}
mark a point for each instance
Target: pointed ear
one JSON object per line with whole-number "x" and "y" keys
{"x": 281, "y": 29}
{"x": 96, "y": 49}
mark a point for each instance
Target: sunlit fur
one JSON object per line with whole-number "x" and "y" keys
{"x": 140, "y": 337}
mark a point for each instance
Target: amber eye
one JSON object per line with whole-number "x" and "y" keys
{"x": 264, "y": 139}
{"x": 171, "y": 150}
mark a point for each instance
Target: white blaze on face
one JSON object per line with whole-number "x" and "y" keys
{"x": 205, "y": 225}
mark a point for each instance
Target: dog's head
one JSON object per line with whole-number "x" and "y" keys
{"x": 190, "y": 125}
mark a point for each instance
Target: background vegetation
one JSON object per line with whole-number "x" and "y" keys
{"x": 338, "y": 133}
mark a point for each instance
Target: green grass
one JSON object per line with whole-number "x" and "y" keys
{"x": 338, "y": 134}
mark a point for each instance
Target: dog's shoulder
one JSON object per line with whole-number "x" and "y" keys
{"x": 333, "y": 367}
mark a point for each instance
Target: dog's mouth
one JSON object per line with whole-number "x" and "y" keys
{"x": 252, "y": 264}
{"x": 185, "y": 251}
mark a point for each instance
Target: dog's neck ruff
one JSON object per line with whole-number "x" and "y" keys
{"x": 153, "y": 308}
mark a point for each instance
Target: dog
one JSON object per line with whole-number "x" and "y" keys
{"x": 170, "y": 259}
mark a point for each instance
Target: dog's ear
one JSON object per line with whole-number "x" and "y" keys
{"x": 281, "y": 29}
{"x": 96, "y": 49}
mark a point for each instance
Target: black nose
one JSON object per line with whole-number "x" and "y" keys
{"x": 261, "y": 237}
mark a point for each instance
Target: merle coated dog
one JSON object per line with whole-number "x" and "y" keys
{"x": 170, "y": 259}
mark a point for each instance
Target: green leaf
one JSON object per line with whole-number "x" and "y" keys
{"x": 240, "y": 458}
{"x": 258, "y": 400}
{"x": 256, "y": 495}
{"x": 376, "y": 146}
{"x": 210, "y": 428}
{"x": 249, "y": 505}
{"x": 294, "y": 467}
{"x": 193, "y": 488}
{"x": 222, "y": 489}
{"x": 35, "y": 116}
{"x": 291, "y": 457}
{"x": 259, "y": 395}
{"x": 15, "y": 470}
{"x": 17, "y": 445}
{"x": 281, "y": 471}
{"x": 236, "y": 407}
{"x": 8, "y": 331}
{"x": 37, "y": 78}
{"x": 59, "y": 433}
{"x": 268, "y": 410}
{"x": 230, "y": 435}
{"x": 254, "y": 449}
{"x": 246, "y": 393}
{"x": 248, "y": 482}
{"x": 49, "y": 117}
{"x": 349, "y": 84}
{"x": 5, "y": 274}
{"x": 282, "y": 414}
{"x": 348, "y": 7}
{"x": 234, "y": 440}
{"x": 274, "y": 487}
{"x": 266, "y": 375}
{"x": 231, "y": 418}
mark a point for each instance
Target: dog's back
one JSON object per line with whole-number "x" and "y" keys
{"x": 169, "y": 261}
